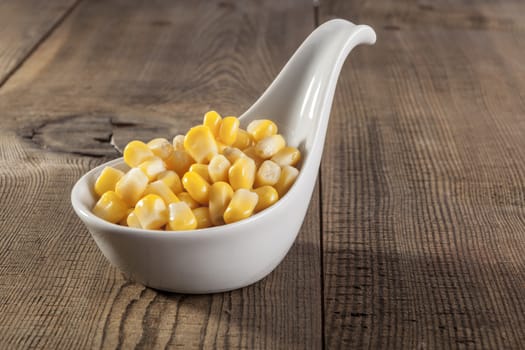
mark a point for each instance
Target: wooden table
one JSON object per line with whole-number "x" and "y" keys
{"x": 415, "y": 236}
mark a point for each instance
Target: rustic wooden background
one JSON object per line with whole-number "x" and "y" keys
{"x": 415, "y": 237}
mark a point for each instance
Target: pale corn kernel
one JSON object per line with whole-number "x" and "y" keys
{"x": 180, "y": 162}
{"x": 107, "y": 180}
{"x": 218, "y": 168}
{"x": 241, "y": 206}
{"x": 202, "y": 170}
{"x": 197, "y": 187}
{"x": 242, "y": 173}
{"x": 111, "y": 207}
{"x": 267, "y": 197}
{"x": 269, "y": 146}
{"x": 232, "y": 154}
{"x": 152, "y": 212}
{"x": 250, "y": 152}
{"x": 243, "y": 140}
{"x": 202, "y": 215}
{"x": 172, "y": 180}
{"x": 200, "y": 144}
{"x": 220, "y": 195}
{"x": 124, "y": 220}
{"x": 267, "y": 174}
{"x": 221, "y": 147}
{"x": 152, "y": 167}
{"x": 259, "y": 129}
{"x": 133, "y": 221}
{"x": 178, "y": 143}
{"x": 186, "y": 198}
{"x": 287, "y": 156}
{"x": 229, "y": 130}
{"x": 160, "y": 188}
{"x": 181, "y": 217}
{"x": 161, "y": 147}
{"x": 131, "y": 186}
{"x": 213, "y": 121}
{"x": 286, "y": 180}
{"x": 136, "y": 152}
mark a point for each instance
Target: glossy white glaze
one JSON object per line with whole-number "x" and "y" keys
{"x": 232, "y": 256}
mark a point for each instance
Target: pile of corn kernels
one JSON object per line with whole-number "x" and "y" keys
{"x": 216, "y": 174}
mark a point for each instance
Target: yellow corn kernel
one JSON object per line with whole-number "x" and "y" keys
{"x": 133, "y": 221}
{"x": 152, "y": 167}
{"x": 286, "y": 180}
{"x": 250, "y": 152}
{"x": 136, "y": 152}
{"x": 267, "y": 197}
{"x": 202, "y": 215}
{"x": 269, "y": 146}
{"x": 124, "y": 220}
{"x": 259, "y": 129}
{"x": 232, "y": 154}
{"x": 107, "y": 180}
{"x": 213, "y": 121}
{"x": 287, "y": 156}
{"x": 152, "y": 212}
{"x": 180, "y": 162}
{"x": 200, "y": 144}
{"x": 110, "y": 207}
{"x": 241, "y": 206}
{"x": 244, "y": 140}
{"x": 221, "y": 147}
{"x": 181, "y": 217}
{"x": 161, "y": 147}
{"x": 202, "y": 170}
{"x": 178, "y": 142}
{"x": 267, "y": 174}
{"x": 229, "y": 130}
{"x": 242, "y": 173}
{"x": 218, "y": 168}
{"x": 162, "y": 190}
{"x": 197, "y": 187}
{"x": 172, "y": 180}
{"x": 220, "y": 195}
{"x": 131, "y": 186}
{"x": 186, "y": 198}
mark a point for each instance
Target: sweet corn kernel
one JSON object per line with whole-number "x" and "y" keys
{"x": 124, "y": 220}
{"x": 259, "y": 129}
{"x": 178, "y": 143}
{"x": 180, "y": 162}
{"x": 221, "y": 146}
{"x": 287, "y": 156}
{"x": 213, "y": 121}
{"x": 200, "y": 144}
{"x": 267, "y": 174}
{"x": 152, "y": 167}
{"x": 250, "y": 152}
{"x": 197, "y": 187}
{"x": 110, "y": 207}
{"x": 218, "y": 168}
{"x": 243, "y": 140}
{"x": 220, "y": 195}
{"x": 136, "y": 152}
{"x": 229, "y": 130}
{"x": 267, "y": 196}
{"x": 133, "y": 221}
{"x": 131, "y": 186}
{"x": 242, "y": 173}
{"x": 269, "y": 146}
{"x": 152, "y": 212}
{"x": 186, "y": 198}
{"x": 161, "y": 147}
{"x": 181, "y": 217}
{"x": 172, "y": 180}
{"x": 286, "y": 180}
{"x": 232, "y": 154}
{"x": 107, "y": 180}
{"x": 202, "y": 215}
{"x": 162, "y": 190}
{"x": 241, "y": 206}
{"x": 202, "y": 170}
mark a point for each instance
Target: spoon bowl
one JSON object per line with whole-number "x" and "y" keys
{"x": 232, "y": 256}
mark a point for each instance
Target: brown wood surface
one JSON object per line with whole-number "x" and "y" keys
{"x": 414, "y": 238}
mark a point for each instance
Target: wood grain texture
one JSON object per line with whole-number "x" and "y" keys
{"x": 422, "y": 180}
{"x": 112, "y": 71}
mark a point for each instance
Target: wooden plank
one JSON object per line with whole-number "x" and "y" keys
{"x": 24, "y": 24}
{"x": 116, "y": 70}
{"x": 422, "y": 182}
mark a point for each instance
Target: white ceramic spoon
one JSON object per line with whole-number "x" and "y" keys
{"x": 232, "y": 256}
